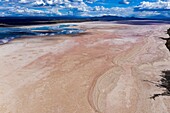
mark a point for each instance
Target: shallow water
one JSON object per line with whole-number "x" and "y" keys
{"x": 9, "y": 33}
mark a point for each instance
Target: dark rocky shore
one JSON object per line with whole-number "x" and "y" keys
{"x": 165, "y": 76}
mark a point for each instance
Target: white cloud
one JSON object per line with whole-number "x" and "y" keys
{"x": 23, "y": 1}
{"x": 124, "y": 2}
{"x": 49, "y": 2}
{"x": 60, "y": 1}
{"x": 39, "y": 2}
{"x": 115, "y": 11}
{"x": 155, "y": 5}
{"x": 99, "y": 8}
{"x": 90, "y": 1}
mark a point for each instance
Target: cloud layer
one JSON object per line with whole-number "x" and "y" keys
{"x": 123, "y": 8}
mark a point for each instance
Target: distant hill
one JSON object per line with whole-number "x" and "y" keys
{"x": 114, "y": 18}
{"x": 19, "y": 21}
{"x": 14, "y": 21}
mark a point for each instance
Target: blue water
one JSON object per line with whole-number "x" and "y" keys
{"x": 9, "y": 33}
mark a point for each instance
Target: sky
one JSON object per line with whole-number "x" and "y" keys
{"x": 92, "y": 8}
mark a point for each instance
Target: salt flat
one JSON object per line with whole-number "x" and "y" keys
{"x": 103, "y": 70}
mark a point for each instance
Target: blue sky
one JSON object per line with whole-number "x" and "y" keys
{"x": 124, "y": 8}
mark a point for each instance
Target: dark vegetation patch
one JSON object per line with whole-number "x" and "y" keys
{"x": 164, "y": 83}
{"x": 167, "y": 44}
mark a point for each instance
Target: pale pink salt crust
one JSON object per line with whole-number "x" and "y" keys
{"x": 99, "y": 71}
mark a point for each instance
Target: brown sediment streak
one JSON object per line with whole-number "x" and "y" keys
{"x": 106, "y": 82}
{"x": 120, "y": 78}
{"x": 95, "y": 96}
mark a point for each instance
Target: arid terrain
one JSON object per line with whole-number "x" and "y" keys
{"x": 110, "y": 68}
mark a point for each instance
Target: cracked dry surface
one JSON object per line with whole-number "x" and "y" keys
{"x": 100, "y": 71}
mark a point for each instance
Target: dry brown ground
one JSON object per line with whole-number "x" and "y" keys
{"x": 101, "y": 71}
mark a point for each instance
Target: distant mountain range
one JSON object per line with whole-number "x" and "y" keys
{"x": 19, "y": 21}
